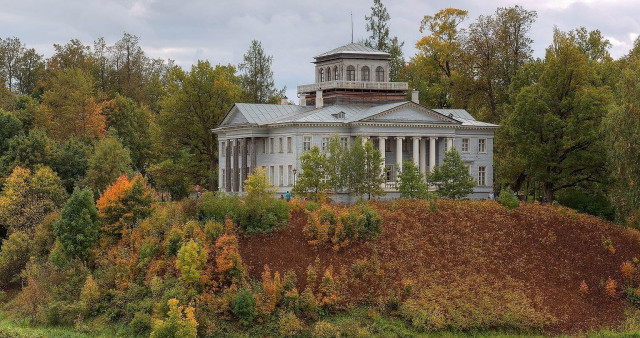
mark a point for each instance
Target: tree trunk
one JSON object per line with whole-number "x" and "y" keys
{"x": 212, "y": 172}
{"x": 548, "y": 191}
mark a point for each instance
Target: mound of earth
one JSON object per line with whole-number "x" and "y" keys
{"x": 544, "y": 252}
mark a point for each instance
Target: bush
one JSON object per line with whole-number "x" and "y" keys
{"x": 592, "y": 204}
{"x": 218, "y": 206}
{"x": 181, "y": 322}
{"x": 359, "y": 222}
{"x": 14, "y": 254}
{"x": 325, "y": 330}
{"x": 243, "y": 306}
{"x": 508, "y": 199}
{"x": 141, "y": 323}
{"x": 213, "y": 230}
{"x": 290, "y": 325}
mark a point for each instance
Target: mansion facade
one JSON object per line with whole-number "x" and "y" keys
{"x": 352, "y": 97}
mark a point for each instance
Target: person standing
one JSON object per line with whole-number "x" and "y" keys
{"x": 287, "y": 196}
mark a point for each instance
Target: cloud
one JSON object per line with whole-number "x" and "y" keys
{"x": 293, "y": 31}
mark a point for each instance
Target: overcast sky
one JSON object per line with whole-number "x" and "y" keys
{"x": 293, "y": 31}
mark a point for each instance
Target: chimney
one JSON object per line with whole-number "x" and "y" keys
{"x": 303, "y": 100}
{"x": 415, "y": 98}
{"x": 283, "y": 101}
{"x": 319, "y": 102}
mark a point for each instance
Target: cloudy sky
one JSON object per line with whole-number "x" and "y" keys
{"x": 293, "y": 31}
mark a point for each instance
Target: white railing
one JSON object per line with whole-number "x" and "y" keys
{"x": 353, "y": 85}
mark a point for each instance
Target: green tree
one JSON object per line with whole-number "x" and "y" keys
{"x": 411, "y": 182}
{"x": 555, "y": 126}
{"x": 191, "y": 260}
{"x": 29, "y": 65}
{"x": 14, "y": 255}
{"x": 621, "y": 128}
{"x": 258, "y": 188}
{"x": 69, "y": 160}
{"x": 26, "y": 151}
{"x": 10, "y": 51}
{"x": 378, "y": 26}
{"x": 335, "y": 165}
{"x": 78, "y": 227}
{"x": 452, "y": 178}
{"x": 374, "y": 176}
{"x": 353, "y": 167}
{"x": 10, "y": 126}
{"x": 27, "y": 197}
{"x": 257, "y": 76}
{"x": 196, "y": 102}
{"x": 131, "y": 125}
{"x": 109, "y": 160}
{"x": 311, "y": 180}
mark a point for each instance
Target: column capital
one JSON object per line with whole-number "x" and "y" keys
{"x": 400, "y": 137}
{"x": 417, "y": 137}
{"x": 382, "y": 137}
{"x": 433, "y": 138}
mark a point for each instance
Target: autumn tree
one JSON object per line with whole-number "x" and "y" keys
{"x": 452, "y": 178}
{"x": 257, "y": 77}
{"x": 27, "y": 197}
{"x": 191, "y": 260}
{"x": 109, "y": 161}
{"x": 123, "y": 204}
{"x": 433, "y": 70}
{"x": 11, "y": 49}
{"x": 78, "y": 227}
{"x": 196, "y": 102}
{"x": 69, "y": 107}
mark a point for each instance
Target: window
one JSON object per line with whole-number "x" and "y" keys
{"x": 335, "y": 73}
{"x": 325, "y": 143}
{"x": 329, "y": 74}
{"x": 345, "y": 142}
{"x": 482, "y": 174}
{"x": 321, "y": 75}
{"x": 281, "y": 176}
{"x": 351, "y": 73}
{"x": 289, "y": 147}
{"x": 379, "y": 74}
{"x": 482, "y": 145}
{"x": 264, "y": 145}
{"x": 306, "y": 143}
{"x": 465, "y": 145}
{"x": 271, "y": 142}
{"x": 272, "y": 174}
{"x": 364, "y": 73}
{"x": 290, "y": 175}
{"x": 280, "y": 145}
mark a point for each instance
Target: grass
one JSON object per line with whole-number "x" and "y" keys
{"x": 10, "y": 328}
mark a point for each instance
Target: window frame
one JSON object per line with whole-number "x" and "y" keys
{"x": 482, "y": 150}
{"x": 325, "y": 144}
{"x": 306, "y": 145}
{"x": 379, "y": 74}
{"x": 280, "y": 145}
{"x": 351, "y": 73}
{"x": 289, "y": 145}
{"x": 482, "y": 169}
{"x": 465, "y": 141}
{"x": 365, "y": 74}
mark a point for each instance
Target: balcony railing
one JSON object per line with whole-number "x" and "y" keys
{"x": 353, "y": 85}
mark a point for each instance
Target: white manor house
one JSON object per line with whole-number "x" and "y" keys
{"x": 352, "y": 96}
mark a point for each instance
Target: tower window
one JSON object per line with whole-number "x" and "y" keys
{"x": 321, "y": 75}
{"x": 351, "y": 73}
{"x": 329, "y": 74}
{"x": 379, "y": 74}
{"x": 335, "y": 72}
{"x": 364, "y": 74}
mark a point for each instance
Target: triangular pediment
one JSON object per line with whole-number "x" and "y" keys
{"x": 234, "y": 117}
{"x": 410, "y": 112}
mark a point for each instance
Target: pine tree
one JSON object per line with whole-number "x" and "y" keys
{"x": 452, "y": 178}
{"x": 412, "y": 183}
{"x": 257, "y": 76}
{"x": 78, "y": 227}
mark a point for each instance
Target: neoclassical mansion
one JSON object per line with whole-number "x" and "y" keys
{"x": 352, "y": 96}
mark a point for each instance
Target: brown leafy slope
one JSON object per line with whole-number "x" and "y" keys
{"x": 468, "y": 250}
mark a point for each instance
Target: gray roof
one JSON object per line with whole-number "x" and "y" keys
{"x": 269, "y": 114}
{"x": 352, "y": 48}
{"x": 464, "y": 117}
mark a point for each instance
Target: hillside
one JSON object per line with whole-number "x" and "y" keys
{"x": 468, "y": 258}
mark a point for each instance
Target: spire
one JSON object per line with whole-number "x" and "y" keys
{"x": 351, "y": 26}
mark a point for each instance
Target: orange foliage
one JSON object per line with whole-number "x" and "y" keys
{"x": 228, "y": 260}
{"x": 272, "y": 289}
{"x": 584, "y": 289}
{"x": 627, "y": 270}
{"x": 610, "y": 287}
{"x": 123, "y": 202}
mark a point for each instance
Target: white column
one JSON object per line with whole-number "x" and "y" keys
{"x": 382, "y": 145}
{"x": 449, "y": 143}
{"x": 432, "y": 153}
{"x": 423, "y": 155}
{"x": 399, "y": 154}
{"x": 364, "y": 139}
{"x": 416, "y": 150}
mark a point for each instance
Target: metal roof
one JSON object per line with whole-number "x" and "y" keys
{"x": 352, "y": 48}
{"x": 267, "y": 114}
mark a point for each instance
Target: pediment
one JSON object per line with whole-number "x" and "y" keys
{"x": 411, "y": 112}
{"x": 234, "y": 117}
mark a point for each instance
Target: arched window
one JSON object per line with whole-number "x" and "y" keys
{"x": 351, "y": 73}
{"x": 364, "y": 73}
{"x": 335, "y": 73}
{"x": 379, "y": 74}
{"x": 328, "y": 73}
{"x": 321, "y": 75}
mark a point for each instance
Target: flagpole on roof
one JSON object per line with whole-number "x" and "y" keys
{"x": 351, "y": 26}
